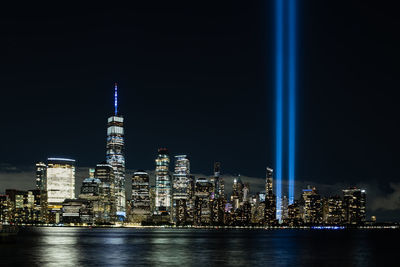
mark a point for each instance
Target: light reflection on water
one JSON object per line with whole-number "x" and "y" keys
{"x": 191, "y": 247}
{"x": 56, "y": 248}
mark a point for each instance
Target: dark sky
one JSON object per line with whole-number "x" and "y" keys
{"x": 198, "y": 78}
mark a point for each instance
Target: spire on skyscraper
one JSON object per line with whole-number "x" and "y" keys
{"x": 116, "y": 98}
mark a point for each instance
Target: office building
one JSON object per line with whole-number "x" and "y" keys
{"x": 334, "y": 210}
{"x": 202, "y": 208}
{"x": 354, "y": 206}
{"x": 105, "y": 173}
{"x": 60, "y": 181}
{"x": 163, "y": 188}
{"x": 41, "y": 170}
{"x": 237, "y": 192}
{"x": 140, "y": 202}
{"x": 115, "y": 156}
{"x": 270, "y": 206}
{"x": 312, "y": 206}
{"x": 180, "y": 189}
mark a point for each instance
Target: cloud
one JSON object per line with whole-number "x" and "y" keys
{"x": 389, "y": 201}
{"x": 12, "y": 177}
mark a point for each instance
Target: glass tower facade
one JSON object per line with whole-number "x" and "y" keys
{"x": 115, "y": 156}
{"x": 41, "y": 170}
{"x": 60, "y": 180}
{"x": 180, "y": 192}
{"x": 140, "y": 193}
{"x": 105, "y": 173}
{"x": 163, "y": 182}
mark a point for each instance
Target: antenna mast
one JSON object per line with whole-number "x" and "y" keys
{"x": 116, "y": 99}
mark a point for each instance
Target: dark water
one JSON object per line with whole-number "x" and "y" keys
{"x": 174, "y": 247}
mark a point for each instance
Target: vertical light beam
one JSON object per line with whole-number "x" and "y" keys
{"x": 115, "y": 98}
{"x": 279, "y": 102}
{"x": 292, "y": 95}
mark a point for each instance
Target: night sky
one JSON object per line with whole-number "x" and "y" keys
{"x": 198, "y": 78}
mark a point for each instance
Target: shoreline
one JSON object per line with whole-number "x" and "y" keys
{"x": 215, "y": 227}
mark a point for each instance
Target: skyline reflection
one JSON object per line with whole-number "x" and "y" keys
{"x": 67, "y": 246}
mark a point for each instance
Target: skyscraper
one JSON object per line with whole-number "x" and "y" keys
{"x": 41, "y": 176}
{"x": 335, "y": 210}
{"x": 115, "y": 154}
{"x": 218, "y": 181}
{"x": 312, "y": 206}
{"x": 270, "y": 199}
{"x": 163, "y": 183}
{"x": 202, "y": 209}
{"x": 180, "y": 188}
{"x": 105, "y": 173}
{"x": 60, "y": 180}
{"x": 237, "y": 192}
{"x": 140, "y": 196}
{"x": 268, "y": 183}
{"x": 354, "y": 203}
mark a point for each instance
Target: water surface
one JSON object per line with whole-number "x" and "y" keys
{"x": 67, "y": 246}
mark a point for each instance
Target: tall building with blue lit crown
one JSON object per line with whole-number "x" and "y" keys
{"x": 115, "y": 155}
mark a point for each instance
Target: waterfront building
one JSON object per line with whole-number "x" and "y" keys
{"x": 21, "y": 206}
{"x": 60, "y": 178}
{"x": 334, "y": 210}
{"x": 91, "y": 192}
{"x": 163, "y": 183}
{"x": 285, "y": 205}
{"x": 270, "y": 206}
{"x": 294, "y": 217}
{"x": 41, "y": 169}
{"x": 5, "y": 209}
{"x": 108, "y": 204}
{"x": 180, "y": 189}
{"x": 237, "y": 192}
{"x": 191, "y": 198}
{"x": 258, "y": 213}
{"x": 217, "y": 206}
{"x": 312, "y": 206}
{"x": 76, "y": 211}
{"x": 217, "y": 181}
{"x": 140, "y": 202}
{"x": 115, "y": 156}
{"x": 37, "y": 206}
{"x": 354, "y": 206}
{"x": 202, "y": 207}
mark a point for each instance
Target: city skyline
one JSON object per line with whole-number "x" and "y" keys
{"x": 340, "y": 135}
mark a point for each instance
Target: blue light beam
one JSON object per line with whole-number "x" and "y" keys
{"x": 279, "y": 104}
{"x": 292, "y": 96}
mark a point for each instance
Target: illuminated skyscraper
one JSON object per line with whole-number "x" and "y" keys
{"x": 312, "y": 206}
{"x": 180, "y": 188}
{"x": 60, "y": 180}
{"x": 354, "y": 203}
{"x": 41, "y": 169}
{"x": 269, "y": 184}
{"x": 237, "y": 192}
{"x": 105, "y": 173}
{"x": 217, "y": 181}
{"x": 163, "y": 183}
{"x": 202, "y": 208}
{"x": 115, "y": 155}
{"x": 271, "y": 206}
{"x": 140, "y": 196}
{"x": 334, "y": 210}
